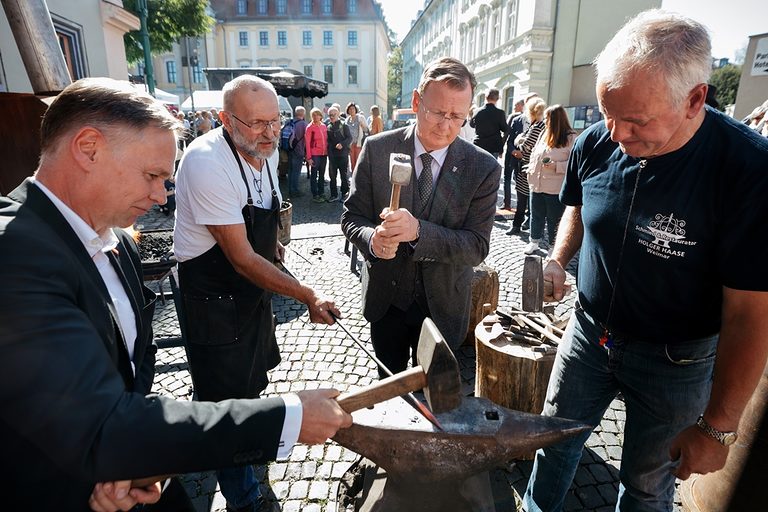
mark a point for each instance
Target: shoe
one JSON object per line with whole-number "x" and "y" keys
{"x": 526, "y": 226}
{"x": 532, "y": 247}
{"x": 514, "y": 230}
{"x": 319, "y": 199}
{"x": 333, "y": 199}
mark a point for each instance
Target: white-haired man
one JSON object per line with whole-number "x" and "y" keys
{"x": 663, "y": 198}
{"x": 225, "y": 240}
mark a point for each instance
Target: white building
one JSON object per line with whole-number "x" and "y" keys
{"x": 518, "y": 46}
{"x": 343, "y": 42}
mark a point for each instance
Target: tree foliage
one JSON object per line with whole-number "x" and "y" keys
{"x": 726, "y": 79}
{"x": 167, "y": 21}
{"x": 394, "y": 78}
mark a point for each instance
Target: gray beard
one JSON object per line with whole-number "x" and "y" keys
{"x": 253, "y": 152}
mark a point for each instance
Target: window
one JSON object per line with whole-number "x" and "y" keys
{"x": 71, "y": 43}
{"x": 281, "y": 7}
{"x": 263, "y": 38}
{"x": 306, "y": 38}
{"x": 511, "y": 19}
{"x": 282, "y": 38}
{"x": 326, "y": 6}
{"x": 308, "y": 71}
{"x": 327, "y": 38}
{"x": 306, "y": 6}
{"x": 197, "y": 74}
{"x": 243, "y": 38}
{"x": 352, "y": 74}
{"x": 261, "y": 7}
{"x": 352, "y": 38}
{"x": 242, "y": 7}
{"x": 351, "y": 6}
{"x": 328, "y": 73}
{"x": 170, "y": 71}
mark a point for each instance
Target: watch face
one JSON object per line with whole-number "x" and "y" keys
{"x": 729, "y": 438}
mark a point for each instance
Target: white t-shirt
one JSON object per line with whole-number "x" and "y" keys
{"x": 210, "y": 191}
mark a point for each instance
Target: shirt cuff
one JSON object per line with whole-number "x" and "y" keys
{"x": 370, "y": 248}
{"x": 291, "y": 426}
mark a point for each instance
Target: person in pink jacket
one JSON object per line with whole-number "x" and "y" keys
{"x": 317, "y": 154}
{"x": 546, "y": 171}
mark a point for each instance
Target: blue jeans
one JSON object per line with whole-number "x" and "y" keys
{"x": 239, "y": 485}
{"x": 545, "y": 207}
{"x": 317, "y": 175}
{"x": 294, "y": 171}
{"x": 665, "y": 388}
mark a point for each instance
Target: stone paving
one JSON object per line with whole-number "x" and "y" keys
{"x": 322, "y": 356}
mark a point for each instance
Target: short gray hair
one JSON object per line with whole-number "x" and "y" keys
{"x": 105, "y": 104}
{"x": 250, "y": 82}
{"x": 670, "y": 44}
{"x": 300, "y": 110}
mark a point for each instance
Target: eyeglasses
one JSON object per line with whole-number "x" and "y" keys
{"x": 436, "y": 116}
{"x": 259, "y": 126}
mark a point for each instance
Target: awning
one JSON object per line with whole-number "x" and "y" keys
{"x": 287, "y": 82}
{"x": 161, "y": 95}
{"x": 206, "y": 100}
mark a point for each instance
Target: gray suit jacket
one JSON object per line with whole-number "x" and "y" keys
{"x": 71, "y": 411}
{"x": 454, "y": 238}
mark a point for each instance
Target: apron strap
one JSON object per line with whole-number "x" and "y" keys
{"x": 240, "y": 165}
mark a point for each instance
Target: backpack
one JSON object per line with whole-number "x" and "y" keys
{"x": 287, "y": 140}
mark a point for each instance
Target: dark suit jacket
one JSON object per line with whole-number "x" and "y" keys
{"x": 71, "y": 412}
{"x": 338, "y": 133}
{"x": 490, "y": 126}
{"x": 454, "y": 238}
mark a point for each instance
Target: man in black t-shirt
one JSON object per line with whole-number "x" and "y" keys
{"x": 666, "y": 201}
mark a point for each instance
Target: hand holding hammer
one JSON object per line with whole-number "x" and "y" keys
{"x": 387, "y": 237}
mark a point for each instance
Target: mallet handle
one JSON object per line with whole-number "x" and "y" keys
{"x": 394, "y": 200}
{"x": 391, "y": 387}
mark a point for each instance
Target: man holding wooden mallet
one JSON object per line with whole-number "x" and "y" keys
{"x": 419, "y": 252}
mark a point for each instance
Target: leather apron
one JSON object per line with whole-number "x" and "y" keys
{"x": 230, "y": 327}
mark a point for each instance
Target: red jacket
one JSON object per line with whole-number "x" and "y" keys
{"x": 317, "y": 140}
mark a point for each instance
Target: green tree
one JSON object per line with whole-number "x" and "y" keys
{"x": 394, "y": 79}
{"x": 726, "y": 79}
{"x": 167, "y": 21}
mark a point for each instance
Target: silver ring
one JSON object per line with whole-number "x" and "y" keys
{"x": 321, "y": 309}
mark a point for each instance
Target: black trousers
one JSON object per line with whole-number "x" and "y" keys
{"x": 396, "y": 336}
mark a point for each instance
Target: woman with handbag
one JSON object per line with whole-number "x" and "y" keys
{"x": 358, "y": 127}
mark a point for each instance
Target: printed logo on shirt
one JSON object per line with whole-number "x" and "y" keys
{"x": 668, "y": 235}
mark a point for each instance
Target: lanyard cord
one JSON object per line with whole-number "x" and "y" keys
{"x": 607, "y": 338}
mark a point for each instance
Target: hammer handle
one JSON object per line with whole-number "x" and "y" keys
{"x": 394, "y": 200}
{"x": 391, "y": 387}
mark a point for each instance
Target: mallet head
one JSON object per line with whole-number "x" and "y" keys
{"x": 400, "y": 169}
{"x": 443, "y": 390}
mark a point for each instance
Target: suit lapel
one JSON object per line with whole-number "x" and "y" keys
{"x": 407, "y": 147}
{"x": 32, "y": 197}
{"x": 448, "y": 182}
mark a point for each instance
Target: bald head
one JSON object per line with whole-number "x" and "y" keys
{"x": 243, "y": 84}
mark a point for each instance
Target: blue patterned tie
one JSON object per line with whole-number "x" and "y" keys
{"x": 425, "y": 179}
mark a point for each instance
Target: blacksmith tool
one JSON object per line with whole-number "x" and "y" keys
{"x": 400, "y": 171}
{"x": 535, "y": 289}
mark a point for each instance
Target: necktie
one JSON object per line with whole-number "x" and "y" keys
{"x": 425, "y": 179}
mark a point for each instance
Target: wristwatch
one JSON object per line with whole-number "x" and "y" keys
{"x": 724, "y": 438}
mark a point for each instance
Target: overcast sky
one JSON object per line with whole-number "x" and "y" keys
{"x": 730, "y": 22}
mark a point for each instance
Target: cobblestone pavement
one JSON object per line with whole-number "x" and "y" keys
{"x": 322, "y": 356}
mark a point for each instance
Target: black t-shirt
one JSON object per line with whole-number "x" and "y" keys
{"x": 699, "y": 222}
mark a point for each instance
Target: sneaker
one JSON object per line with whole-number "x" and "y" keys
{"x": 532, "y": 247}
{"x": 332, "y": 199}
{"x": 514, "y": 230}
{"x": 526, "y": 225}
{"x": 318, "y": 199}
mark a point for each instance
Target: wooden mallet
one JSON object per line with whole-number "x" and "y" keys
{"x": 400, "y": 171}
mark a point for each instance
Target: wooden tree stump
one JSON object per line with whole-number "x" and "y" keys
{"x": 485, "y": 290}
{"x": 509, "y": 373}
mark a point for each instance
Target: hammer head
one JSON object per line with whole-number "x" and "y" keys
{"x": 400, "y": 169}
{"x": 443, "y": 390}
{"x": 533, "y": 284}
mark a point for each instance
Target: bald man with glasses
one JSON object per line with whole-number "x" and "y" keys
{"x": 225, "y": 239}
{"x": 419, "y": 258}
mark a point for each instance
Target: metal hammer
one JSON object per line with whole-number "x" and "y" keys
{"x": 437, "y": 374}
{"x": 400, "y": 171}
{"x": 535, "y": 289}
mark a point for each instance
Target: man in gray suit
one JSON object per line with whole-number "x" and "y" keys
{"x": 419, "y": 258}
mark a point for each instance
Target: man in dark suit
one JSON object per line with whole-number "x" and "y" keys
{"x": 419, "y": 258}
{"x": 490, "y": 125}
{"x": 76, "y": 352}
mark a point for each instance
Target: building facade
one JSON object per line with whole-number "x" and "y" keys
{"x": 343, "y": 42}
{"x": 518, "y": 46}
{"x": 753, "y": 84}
{"x": 90, "y": 33}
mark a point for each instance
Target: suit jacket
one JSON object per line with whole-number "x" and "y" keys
{"x": 338, "y": 133}
{"x": 491, "y": 127}
{"x": 71, "y": 412}
{"x": 454, "y": 238}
